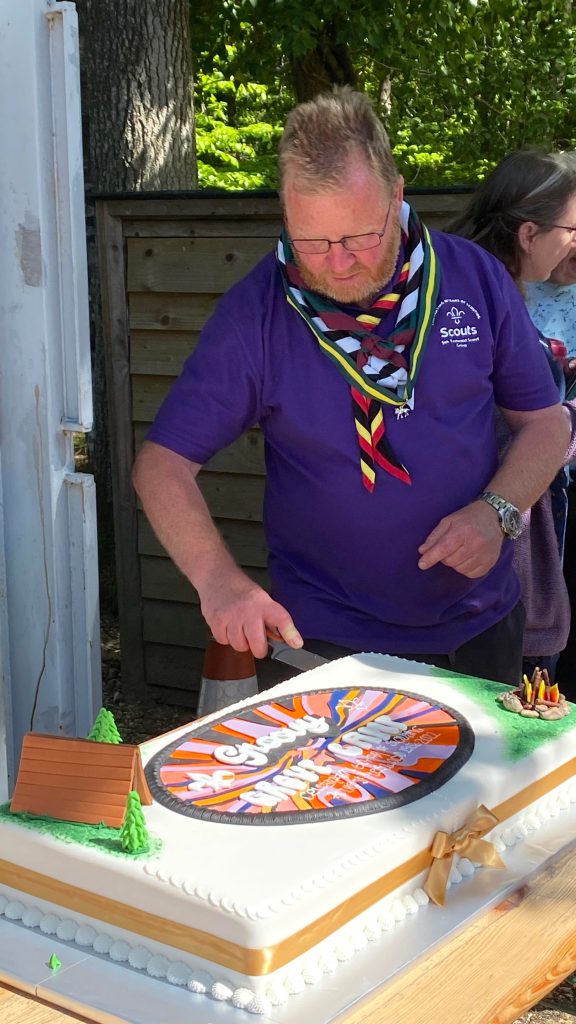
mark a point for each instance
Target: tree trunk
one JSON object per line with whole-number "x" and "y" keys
{"x": 328, "y": 64}
{"x": 138, "y": 134}
{"x": 137, "y": 93}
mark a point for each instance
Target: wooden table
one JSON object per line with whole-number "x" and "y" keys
{"x": 18, "y": 1008}
{"x": 501, "y": 965}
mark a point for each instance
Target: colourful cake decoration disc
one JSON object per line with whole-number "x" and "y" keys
{"x": 311, "y": 757}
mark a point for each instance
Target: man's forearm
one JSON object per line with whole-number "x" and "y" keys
{"x": 178, "y": 514}
{"x": 238, "y": 611}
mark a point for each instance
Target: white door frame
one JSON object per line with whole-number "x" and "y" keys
{"x": 50, "y": 673}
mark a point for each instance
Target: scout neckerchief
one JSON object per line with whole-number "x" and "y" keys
{"x": 379, "y": 369}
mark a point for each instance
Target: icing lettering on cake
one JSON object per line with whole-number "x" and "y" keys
{"x": 246, "y": 754}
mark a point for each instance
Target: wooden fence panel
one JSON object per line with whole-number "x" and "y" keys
{"x": 150, "y": 312}
{"x": 160, "y": 353}
{"x": 162, "y": 581}
{"x": 229, "y": 497}
{"x": 245, "y": 455}
{"x": 246, "y": 541}
{"x": 191, "y": 265}
{"x": 170, "y": 622}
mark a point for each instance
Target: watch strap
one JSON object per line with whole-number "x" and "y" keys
{"x": 508, "y": 514}
{"x": 496, "y": 500}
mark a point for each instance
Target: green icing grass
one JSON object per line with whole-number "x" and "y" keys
{"x": 522, "y": 736}
{"x": 100, "y": 837}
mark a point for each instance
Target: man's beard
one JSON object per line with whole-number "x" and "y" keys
{"x": 370, "y": 282}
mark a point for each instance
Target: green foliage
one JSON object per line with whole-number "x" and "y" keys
{"x": 238, "y": 121}
{"x": 133, "y": 834}
{"x": 458, "y": 83}
{"x": 104, "y": 729}
{"x": 498, "y": 76}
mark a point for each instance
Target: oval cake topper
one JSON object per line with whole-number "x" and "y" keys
{"x": 311, "y": 757}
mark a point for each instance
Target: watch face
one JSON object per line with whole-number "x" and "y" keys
{"x": 511, "y": 522}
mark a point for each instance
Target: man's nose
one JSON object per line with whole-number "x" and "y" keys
{"x": 340, "y": 258}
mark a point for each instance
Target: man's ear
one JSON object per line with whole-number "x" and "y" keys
{"x": 526, "y": 234}
{"x": 399, "y": 193}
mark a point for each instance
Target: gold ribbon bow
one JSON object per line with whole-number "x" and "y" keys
{"x": 467, "y": 842}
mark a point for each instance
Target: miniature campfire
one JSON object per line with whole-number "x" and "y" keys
{"x": 536, "y": 698}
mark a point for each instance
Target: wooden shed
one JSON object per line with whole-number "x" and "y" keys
{"x": 165, "y": 259}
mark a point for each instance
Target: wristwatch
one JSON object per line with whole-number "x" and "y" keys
{"x": 509, "y": 516}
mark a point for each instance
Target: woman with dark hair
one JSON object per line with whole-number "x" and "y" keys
{"x": 524, "y": 213}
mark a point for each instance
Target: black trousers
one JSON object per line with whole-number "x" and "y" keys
{"x": 494, "y": 654}
{"x": 566, "y": 668}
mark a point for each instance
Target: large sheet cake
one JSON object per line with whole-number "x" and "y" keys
{"x": 296, "y": 828}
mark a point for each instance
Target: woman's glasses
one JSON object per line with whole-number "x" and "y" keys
{"x": 563, "y": 227}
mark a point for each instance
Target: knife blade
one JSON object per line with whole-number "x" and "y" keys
{"x": 298, "y": 657}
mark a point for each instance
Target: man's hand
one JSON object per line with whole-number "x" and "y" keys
{"x": 239, "y": 613}
{"x": 468, "y": 541}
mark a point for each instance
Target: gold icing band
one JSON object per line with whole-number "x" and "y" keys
{"x": 254, "y": 962}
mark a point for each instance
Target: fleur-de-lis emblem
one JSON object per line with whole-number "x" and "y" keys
{"x": 455, "y": 314}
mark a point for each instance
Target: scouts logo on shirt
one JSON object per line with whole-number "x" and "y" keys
{"x": 457, "y": 323}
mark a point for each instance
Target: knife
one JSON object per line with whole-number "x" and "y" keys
{"x": 298, "y": 657}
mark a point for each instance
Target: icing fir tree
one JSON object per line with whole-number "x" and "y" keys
{"x": 134, "y": 834}
{"x": 104, "y": 729}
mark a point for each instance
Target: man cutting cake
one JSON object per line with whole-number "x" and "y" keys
{"x": 372, "y": 353}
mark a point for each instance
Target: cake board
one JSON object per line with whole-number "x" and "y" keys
{"x": 479, "y": 953}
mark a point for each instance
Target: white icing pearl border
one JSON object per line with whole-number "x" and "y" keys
{"x": 372, "y": 924}
{"x": 263, "y": 911}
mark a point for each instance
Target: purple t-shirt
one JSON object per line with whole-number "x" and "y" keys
{"x": 345, "y": 562}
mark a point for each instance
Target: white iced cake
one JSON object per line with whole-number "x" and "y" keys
{"x": 295, "y": 828}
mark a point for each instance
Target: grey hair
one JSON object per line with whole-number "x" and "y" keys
{"x": 527, "y": 185}
{"x": 322, "y": 135}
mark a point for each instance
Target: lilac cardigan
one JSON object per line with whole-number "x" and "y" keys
{"x": 539, "y": 569}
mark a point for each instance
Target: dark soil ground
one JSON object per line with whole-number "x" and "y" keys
{"x": 139, "y": 721}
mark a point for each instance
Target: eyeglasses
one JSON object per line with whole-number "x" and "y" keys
{"x": 352, "y": 243}
{"x": 565, "y": 227}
